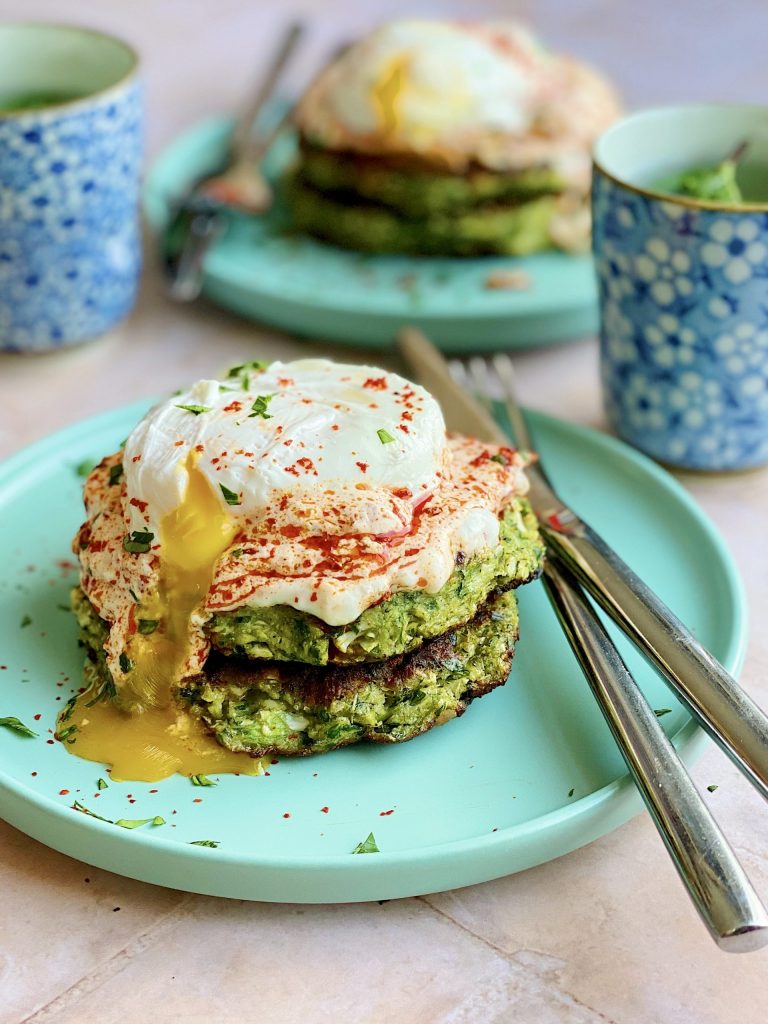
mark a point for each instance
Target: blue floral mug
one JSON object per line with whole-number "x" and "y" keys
{"x": 684, "y": 288}
{"x": 70, "y": 153}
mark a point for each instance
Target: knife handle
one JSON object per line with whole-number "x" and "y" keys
{"x": 706, "y": 863}
{"x": 712, "y": 696}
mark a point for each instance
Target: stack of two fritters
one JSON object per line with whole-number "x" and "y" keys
{"x": 449, "y": 138}
{"x": 280, "y": 681}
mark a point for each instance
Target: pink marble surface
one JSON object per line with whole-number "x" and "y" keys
{"x": 605, "y": 934}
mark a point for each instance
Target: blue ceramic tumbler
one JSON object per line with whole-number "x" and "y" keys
{"x": 684, "y": 289}
{"x": 70, "y": 153}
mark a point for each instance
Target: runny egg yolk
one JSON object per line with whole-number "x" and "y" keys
{"x": 154, "y": 738}
{"x": 387, "y": 91}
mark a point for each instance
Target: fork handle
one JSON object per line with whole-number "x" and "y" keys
{"x": 710, "y": 693}
{"x": 710, "y": 870}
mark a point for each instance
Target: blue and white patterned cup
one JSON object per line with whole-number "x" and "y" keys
{"x": 70, "y": 153}
{"x": 684, "y": 289}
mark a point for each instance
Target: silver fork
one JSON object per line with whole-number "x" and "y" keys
{"x": 705, "y": 861}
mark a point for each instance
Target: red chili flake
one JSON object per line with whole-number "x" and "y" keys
{"x": 49, "y": 741}
{"x": 137, "y": 503}
{"x": 314, "y": 596}
{"x": 385, "y": 814}
{"x": 362, "y": 466}
{"x": 153, "y": 791}
{"x": 97, "y": 794}
{"x": 197, "y": 800}
{"x": 199, "y": 448}
{"x": 286, "y": 815}
{"x": 136, "y": 458}
{"x": 335, "y": 426}
{"x": 405, "y": 429}
{"x": 376, "y": 383}
{"x": 324, "y": 810}
{"x": 275, "y": 760}
{"x": 3, "y": 667}
{"x": 233, "y": 406}
{"x": 307, "y": 464}
{"x": 38, "y": 717}
{"x": 63, "y": 792}
{"x": 406, "y": 415}
{"x": 34, "y": 773}
{"x": 177, "y": 444}
{"x": 290, "y": 530}
{"x": 285, "y": 382}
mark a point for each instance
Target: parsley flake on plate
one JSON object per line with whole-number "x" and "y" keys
{"x": 147, "y": 626}
{"x": 138, "y": 822}
{"x": 214, "y": 844}
{"x": 16, "y": 725}
{"x": 115, "y": 473}
{"x": 384, "y": 436}
{"x": 368, "y": 845}
{"x": 202, "y": 780}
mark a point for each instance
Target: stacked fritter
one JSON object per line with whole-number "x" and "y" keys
{"x": 449, "y": 138}
{"x": 308, "y": 559}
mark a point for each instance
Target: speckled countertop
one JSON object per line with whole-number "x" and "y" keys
{"x": 604, "y": 934}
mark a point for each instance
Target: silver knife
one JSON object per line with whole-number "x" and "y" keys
{"x": 709, "y": 692}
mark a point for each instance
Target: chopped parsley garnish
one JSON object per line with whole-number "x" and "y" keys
{"x": 202, "y": 780}
{"x": 63, "y": 607}
{"x": 138, "y": 542}
{"x": 17, "y": 726}
{"x": 69, "y": 707}
{"x": 712, "y": 787}
{"x": 195, "y": 409}
{"x": 132, "y": 592}
{"x": 236, "y": 552}
{"x": 138, "y": 822}
{"x": 115, "y": 473}
{"x": 85, "y": 468}
{"x": 368, "y": 845}
{"x": 147, "y": 626}
{"x": 662, "y": 711}
{"x": 77, "y": 806}
{"x": 64, "y": 735}
{"x": 501, "y": 459}
{"x": 384, "y": 436}
{"x": 231, "y": 497}
{"x": 259, "y": 407}
{"x": 26, "y": 621}
{"x": 101, "y": 784}
{"x": 252, "y": 367}
{"x": 213, "y": 843}
{"x": 571, "y": 792}
{"x": 105, "y": 691}
{"x": 125, "y": 662}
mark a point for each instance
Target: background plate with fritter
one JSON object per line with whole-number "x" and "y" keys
{"x": 529, "y": 773}
{"x": 306, "y": 287}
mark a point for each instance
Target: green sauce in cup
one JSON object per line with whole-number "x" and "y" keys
{"x": 715, "y": 182}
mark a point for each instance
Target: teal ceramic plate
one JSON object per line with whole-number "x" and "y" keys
{"x": 316, "y": 290}
{"x": 529, "y": 773}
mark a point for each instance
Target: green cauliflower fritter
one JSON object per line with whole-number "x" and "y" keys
{"x": 278, "y": 708}
{"x": 417, "y": 191}
{"x": 396, "y": 625}
{"x": 511, "y": 226}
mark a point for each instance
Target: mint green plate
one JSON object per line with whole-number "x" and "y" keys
{"x": 317, "y": 290}
{"x": 529, "y": 773}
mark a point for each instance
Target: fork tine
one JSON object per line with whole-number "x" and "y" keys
{"x": 505, "y": 371}
{"x": 480, "y": 379}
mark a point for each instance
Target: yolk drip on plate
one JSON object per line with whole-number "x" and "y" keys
{"x": 155, "y": 739}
